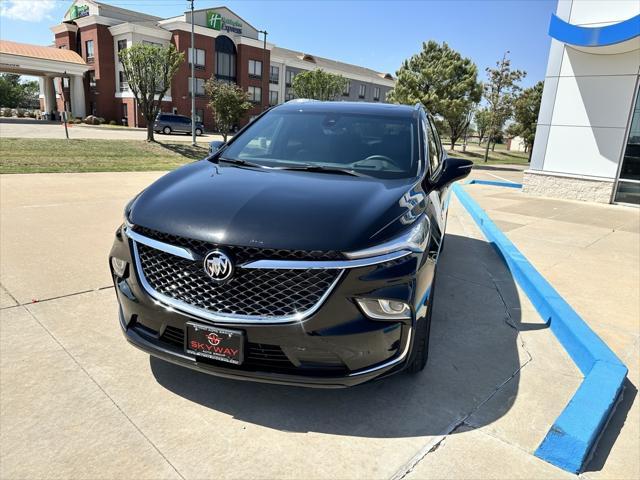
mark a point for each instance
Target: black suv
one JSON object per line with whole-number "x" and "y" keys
{"x": 301, "y": 252}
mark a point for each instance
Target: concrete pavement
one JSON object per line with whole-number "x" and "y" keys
{"x": 76, "y": 401}
{"x": 591, "y": 254}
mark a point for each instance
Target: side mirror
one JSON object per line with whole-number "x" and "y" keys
{"x": 215, "y": 145}
{"x": 453, "y": 169}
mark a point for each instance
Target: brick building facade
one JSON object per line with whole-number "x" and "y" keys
{"x": 226, "y": 47}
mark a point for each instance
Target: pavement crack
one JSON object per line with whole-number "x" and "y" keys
{"x": 439, "y": 441}
{"x": 58, "y": 297}
{"x": 95, "y": 382}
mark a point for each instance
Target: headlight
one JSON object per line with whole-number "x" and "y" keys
{"x": 381, "y": 309}
{"x": 416, "y": 239}
{"x": 119, "y": 266}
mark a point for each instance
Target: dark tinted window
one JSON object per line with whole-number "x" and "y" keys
{"x": 376, "y": 145}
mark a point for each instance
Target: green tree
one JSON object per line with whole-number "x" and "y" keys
{"x": 228, "y": 103}
{"x": 14, "y": 93}
{"x": 443, "y": 81}
{"x": 482, "y": 118}
{"x": 500, "y": 91}
{"x": 149, "y": 70}
{"x": 318, "y": 85}
{"x": 525, "y": 114}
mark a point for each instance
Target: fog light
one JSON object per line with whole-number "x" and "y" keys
{"x": 119, "y": 266}
{"x": 380, "y": 309}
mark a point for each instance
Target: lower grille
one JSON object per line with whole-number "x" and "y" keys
{"x": 268, "y": 293}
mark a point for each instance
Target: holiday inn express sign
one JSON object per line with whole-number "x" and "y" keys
{"x": 78, "y": 11}
{"x": 216, "y": 21}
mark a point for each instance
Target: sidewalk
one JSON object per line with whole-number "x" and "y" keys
{"x": 590, "y": 253}
{"x": 30, "y": 128}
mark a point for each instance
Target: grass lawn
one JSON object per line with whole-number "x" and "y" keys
{"x": 24, "y": 155}
{"x": 501, "y": 156}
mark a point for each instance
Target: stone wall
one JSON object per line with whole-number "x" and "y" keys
{"x": 567, "y": 187}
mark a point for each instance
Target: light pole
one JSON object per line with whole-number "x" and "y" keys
{"x": 193, "y": 83}
{"x": 266, "y": 69}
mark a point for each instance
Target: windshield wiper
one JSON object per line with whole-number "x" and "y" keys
{"x": 237, "y": 161}
{"x": 323, "y": 169}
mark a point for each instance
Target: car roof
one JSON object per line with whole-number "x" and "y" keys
{"x": 370, "y": 108}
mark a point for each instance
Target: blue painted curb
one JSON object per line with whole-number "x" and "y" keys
{"x": 495, "y": 183}
{"x": 575, "y": 432}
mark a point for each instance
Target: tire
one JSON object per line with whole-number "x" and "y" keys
{"x": 198, "y": 132}
{"x": 421, "y": 340}
{"x": 166, "y": 130}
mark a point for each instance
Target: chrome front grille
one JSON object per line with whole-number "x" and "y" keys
{"x": 261, "y": 294}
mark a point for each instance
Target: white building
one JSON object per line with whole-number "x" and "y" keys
{"x": 587, "y": 144}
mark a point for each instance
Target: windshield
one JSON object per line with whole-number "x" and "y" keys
{"x": 375, "y": 145}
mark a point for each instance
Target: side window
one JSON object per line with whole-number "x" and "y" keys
{"x": 434, "y": 146}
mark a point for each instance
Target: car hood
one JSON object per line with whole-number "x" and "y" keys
{"x": 268, "y": 208}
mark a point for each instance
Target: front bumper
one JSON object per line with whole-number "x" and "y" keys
{"x": 337, "y": 346}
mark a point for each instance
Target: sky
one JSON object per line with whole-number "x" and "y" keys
{"x": 373, "y": 34}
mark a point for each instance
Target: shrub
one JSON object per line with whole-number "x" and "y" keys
{"x": 6, "y": 112}
{"x": 91, "y": 120}
{"x": 19, "y": 112}
{"x": 112, "y": 122}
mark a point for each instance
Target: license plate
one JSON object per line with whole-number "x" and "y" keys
{"x": 215, "y": 343}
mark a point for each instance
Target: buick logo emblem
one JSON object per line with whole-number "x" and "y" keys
{"x": 218, "y": 266}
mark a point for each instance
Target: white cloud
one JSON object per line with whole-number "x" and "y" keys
{"x": 27, "y": 10}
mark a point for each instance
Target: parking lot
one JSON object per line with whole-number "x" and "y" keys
{"x": 78, "y": 401}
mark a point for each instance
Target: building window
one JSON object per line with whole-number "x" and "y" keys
{"x": 199, "y": 86}
{"x": 347, "y": 89}
{"x": 125, "y": 111}
{"x": 255, "y": 94}
{"x": 89, "y": 50}
{"x": 255, "y": 68}
{"x": 200, "y": 55}
{"x": 376, "y": 94}
{"x": 92, "y": 79}
{"x": 274, "y": 74}
{"x": 290, "y": 76}
{"x": 200, "y": 114}
{"x": 289, "y": 96}
{"x": 225, "y": 59}
{"x": 122, "y": 44}
{"x": 65, "y": 82}
{"x": 628, "y": 185}
{"x": 122, "y": 80}
{"x": 153, "y": 44}
{"x": 273, "y": 97}
{"x": 362, "y": 90}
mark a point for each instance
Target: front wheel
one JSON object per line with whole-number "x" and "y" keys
{"x": 421, "y": 338}
{"x": 166, "y": 130}
{"x": 198, "y": 132}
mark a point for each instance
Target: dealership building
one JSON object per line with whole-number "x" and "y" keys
{"x": 226, "y": 47}
{"x": 587, "y": 144}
